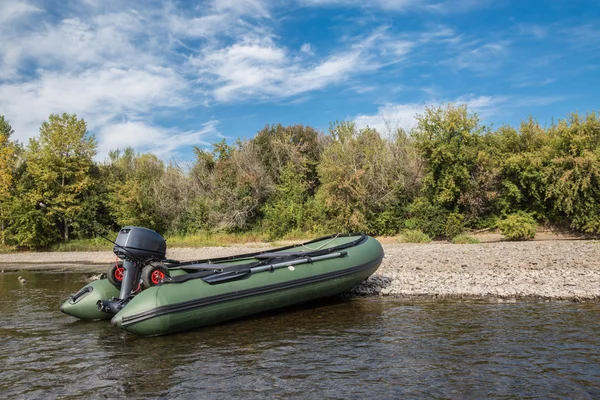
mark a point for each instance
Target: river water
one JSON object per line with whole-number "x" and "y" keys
{"x": 336, "y": 349}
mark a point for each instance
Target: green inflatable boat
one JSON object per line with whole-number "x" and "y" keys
{"x": 147, "y": 294}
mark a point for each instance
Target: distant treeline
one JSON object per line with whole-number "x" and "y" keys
{"x": 449, "y": 174}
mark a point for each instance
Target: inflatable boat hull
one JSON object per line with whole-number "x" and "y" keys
{"x": 176, "y": 307}
{"x": 190, "y": 299}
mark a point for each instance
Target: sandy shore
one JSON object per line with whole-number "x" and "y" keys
{"x": 554, "y": 270}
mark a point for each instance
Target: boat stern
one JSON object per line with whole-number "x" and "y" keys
{"x": 83, "y": 304}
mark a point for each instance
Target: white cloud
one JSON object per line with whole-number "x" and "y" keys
{"x": 306, "y": 48}
{"x": 122, "y": 67}
{"x": 73, "y": 44}
{"x": 107, "y": 67}
{"x": 442, "y": 6}
{"x": 459, "y": 6}
{"x": 11, "y": 11}
{"x": 537, "y": 31}
{"x": 582, "y": 36}
{"x": 391, "y": 117}
{"x": 482, "y": 58}
{"x": 116, "y": 66}
{"x": 149, "y": 138}
{"x": 99, "y": 96}
{"x": 259, "y": 68}
{"x": 399, "y": 5}
{"x": 255, "y": 8}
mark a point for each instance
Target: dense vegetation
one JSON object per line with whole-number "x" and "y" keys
{"x": 450, "y": 173}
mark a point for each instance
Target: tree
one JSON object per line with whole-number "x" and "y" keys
{"x": 521, "y": 156}
{"x": 573, "y": 171}
{"x": 240, "y": 186}
{"x": 279, "y": 145}
{"x": 132, "y": 183}
{"x": 8, "y": 152}
{"x": 291, "y": 208}
{"x": 59, "y": 164}
{"x": 363, "y": 179}
{"x": 459, "y": 172}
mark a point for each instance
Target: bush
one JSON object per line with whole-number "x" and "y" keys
{"x": 520, "y": 226}
{"x": 465, "y": 239}
{"x": 385, "y": 223}
{"x": 414, "y": 236}
{"x": 426, "y": 217}
{"x": 455, "y": 225}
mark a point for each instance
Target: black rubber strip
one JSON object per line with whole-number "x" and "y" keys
{"x": 361, "y": 239}
{"x": 158, "y": 311}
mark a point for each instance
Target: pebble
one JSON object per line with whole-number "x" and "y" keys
{"x": 550, "y": 270}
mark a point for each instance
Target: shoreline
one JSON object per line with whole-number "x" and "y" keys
{"x": 547, "y": 270}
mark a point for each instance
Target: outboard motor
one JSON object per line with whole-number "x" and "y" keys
{"x": 136, "y": 246}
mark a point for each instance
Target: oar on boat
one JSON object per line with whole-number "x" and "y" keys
{"x": 232, "y": 275}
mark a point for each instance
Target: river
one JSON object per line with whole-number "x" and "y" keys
{"x": 337, "y": 349}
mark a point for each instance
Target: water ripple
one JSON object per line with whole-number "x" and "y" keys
{"x": 337, "y": 349}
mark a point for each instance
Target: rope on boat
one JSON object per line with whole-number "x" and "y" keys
{"x": 321, "y": 246}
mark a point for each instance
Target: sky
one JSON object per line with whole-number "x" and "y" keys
{"x": 163, "y": 76}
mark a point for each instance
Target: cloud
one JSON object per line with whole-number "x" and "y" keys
{"x": 259, "y": 68}
{"x": 150, "y": 138}
{"x": 254, "y": 8}
{"x": 441, "y": 6}
{"x": 75, "y": 45}
{"x": 582, "y": 36}
{"x": 11, "y": 11}
{"x": 98, "y": 95}
{"x": 481, "y": 58}
{"x": 108, "y": 67}
{"x": 397, "y": 5}
{"x": 459, "y": 6}
{"x": 138, "y": 72}
{"x": 391, "y": 117}
{"x": 306, "y": 48}
{"x": 536, "y": 31}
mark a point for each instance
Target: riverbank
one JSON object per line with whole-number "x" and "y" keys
{"x": 553, "y": 270}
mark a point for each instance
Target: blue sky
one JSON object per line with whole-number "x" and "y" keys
{"x": 162, "y": 76}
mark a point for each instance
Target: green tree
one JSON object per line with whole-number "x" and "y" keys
{"x": 239, "y": 188}
{"x": 291, "y": 208}
{"x": 573, "y": 172}
{"x": 59, "y": 165}
{"x": 459, "y": 171}
{"x": 132, "y": 181}
{"x": 363, "y": 179}
{"x": 522, "y": 156}
{"x": 279, "y": 145}
{"x": 8, "y": 152}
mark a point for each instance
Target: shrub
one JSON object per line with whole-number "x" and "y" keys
{"x": 426, "y": 217}
{"x": 414, "y": 236}
{"x": 455, "y": 225}
{"x": 465, "y": 239}
{"x": 385, "y": 223}
{"x": 520, "y": 226}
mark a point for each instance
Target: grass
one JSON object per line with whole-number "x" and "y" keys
{"x": 199, "y": 240}
{"x": 6, "y": 249}
{"x": 465, "y": 239}
{"x": 228, "y": 239}
{"x": 95, "y": 244}
{"x": 215, "y": 239}
{"x": 414, "y": 236}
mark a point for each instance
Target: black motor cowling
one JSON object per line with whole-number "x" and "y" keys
{"x": 137, "y": 247}
{"x": 140, "y": 244}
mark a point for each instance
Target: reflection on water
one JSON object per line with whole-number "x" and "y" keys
{"x": 336, "y": 349}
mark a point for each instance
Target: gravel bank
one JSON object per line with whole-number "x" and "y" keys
{"x": 553, "y": 270}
